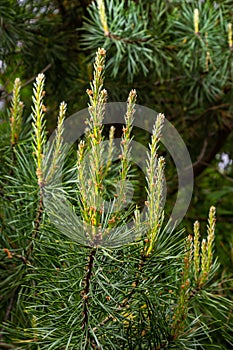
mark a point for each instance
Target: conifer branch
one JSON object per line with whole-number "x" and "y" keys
{"x": 103, "y": 17}
{"x": 53, "y": 166}
{"x": 196, "y": 21}
{"x": 154, "y": 177}
{"x": 91, "y": 184}
{"x": 155, "y": 180}
{"x": 125, "y": 155}
{"x": 159, "y": 305}
{"x": 110, "y": 151}
{"x": 108, "y": 34}
{"x": 230, "y": 39}
{"x": 210, "y": 237}
{"x": 181, "y": 311}
{"x": 196, "y": 252}
{"x": 16, "y": 113}
{"x": 38, "y": 109}
{"x": 207, "y": 250}
{"x": 38, "y": 124}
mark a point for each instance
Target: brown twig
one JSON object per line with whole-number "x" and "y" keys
{"x": 167, "y": 81}
{"x": 125, "y": 40}
{"x": 3, "y": 97}
{"x": 11, "y": 75}
{"x": 85, "y": 293}
{"x": 7, "y": 346}
{"x": 8, "y": 311}
{"x": 37, "y": 223}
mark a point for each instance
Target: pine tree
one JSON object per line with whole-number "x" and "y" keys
{"x": 158, "y": 291}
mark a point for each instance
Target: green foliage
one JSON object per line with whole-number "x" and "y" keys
{"x": 41, "y": 36}
{"x": 215, "y": 186}
{"x": 158, "y": 292}
{"x": 165, "y": 39}
{"x": 188, "y": 77}
{"x": 179, "y": 66}
{"x": 123, "y": 32}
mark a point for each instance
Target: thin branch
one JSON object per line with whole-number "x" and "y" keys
{"x": 209, "y": 165}
{"x": 10, "y": 78}
{"x": 85, "y": 293}
{"x": 37, "y": 223}
{"x": 205, "y": 156}
{"x": 202, "y": 153}
{"x": 7, "y": 346}
{"x": 125, "y": 40}
{"x": 10, "y": 255}
{"x": 172, "y": 80}
{"x": 8, "y": 312}
{"x": 27, "y": 82}
{"x": 228, "y": 178}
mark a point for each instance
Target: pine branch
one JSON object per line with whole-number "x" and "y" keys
{"x": 91, "y": 173}
{"x": 155, "y": 180}
{"x": 126, "y": 300}
{"x": 16, "y": 113}
{"x": 39, "y": 139}
{"x": 137, "y": 298}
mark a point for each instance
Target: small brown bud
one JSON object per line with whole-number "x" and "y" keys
{"x": 89, "y": 92}
{"x": 9, "y": 255}
{"x": 112, "y": 220}
{"x": 102, "y": 52}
